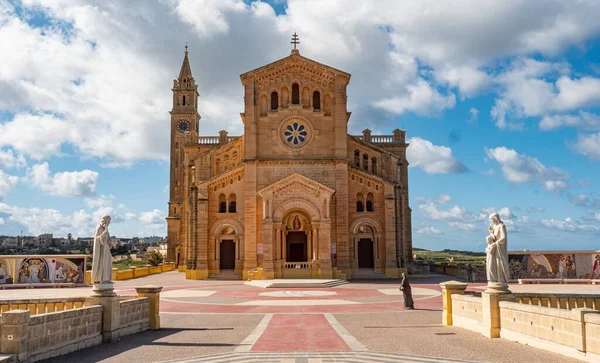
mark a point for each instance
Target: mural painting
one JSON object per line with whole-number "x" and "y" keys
{"x": 554, "y": 265}
{"x": 33, "y": 270}
{"x": 42, "y": 269}
{"x": 6, "y": 272}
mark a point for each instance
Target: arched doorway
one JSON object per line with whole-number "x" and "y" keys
{"x": 296, "y": 244}
{"x": 227, "y": 255}
{"x": 365, "y": 253}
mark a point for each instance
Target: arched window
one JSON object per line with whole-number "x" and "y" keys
{"x": 184, "y": 100}
{"x": 357, "y": 158}
{"x": 295, "y": 94}
{"x": 359, "y": 203}
{"x": 370, "y": 203}
{"x": 316, "y": 100}
{"x": 366, "y": 162}
{"x": 374, "y": 165}
{"x": 222, "y": 204}
{"x": 218, "y": 166}
{"x": 274, "y": 101}
{"x": 232, "y": 203}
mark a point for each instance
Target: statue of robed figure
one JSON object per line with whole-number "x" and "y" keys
{"x": 497, "y": 252}
{"x": 102, "y": 258}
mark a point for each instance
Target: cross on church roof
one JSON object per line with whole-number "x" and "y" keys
{"x": 186, "y": 47}
{"x": 295, "y": 40}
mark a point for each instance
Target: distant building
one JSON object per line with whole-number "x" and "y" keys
{"x": 11, "y": 242}
{"x": 45, "y": 239}
{"x": 152, "y": 240}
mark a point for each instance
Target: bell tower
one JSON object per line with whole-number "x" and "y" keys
{"x": 184, "y": 131}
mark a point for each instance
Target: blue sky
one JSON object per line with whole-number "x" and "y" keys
{"x": 500, "y": 101}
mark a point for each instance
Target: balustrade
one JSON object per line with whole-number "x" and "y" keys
{"x": 297, "y": 265}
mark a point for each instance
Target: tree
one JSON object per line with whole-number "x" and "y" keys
{"x": 155, "y": 258}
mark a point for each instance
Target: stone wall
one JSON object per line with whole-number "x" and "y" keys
{"x": 556, "y": 322}
{"x": 546, "y": 328}
{"x": 134, "y": 315}
{"x": 467, "y": 312}
{"x": 592, "y": 334}
{"x": 50, "y": 335}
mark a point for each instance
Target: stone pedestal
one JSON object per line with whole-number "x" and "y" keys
{"x": 103, "y": 289}
{"x": 153, "y": 293}
{"x": 490, "y": 306}
{"x": 449, "y": 288}
{"x": 104, "y": 295}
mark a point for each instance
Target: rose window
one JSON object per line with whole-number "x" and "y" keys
{"x": 296, "y": 132}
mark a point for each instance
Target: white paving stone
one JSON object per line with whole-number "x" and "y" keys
{"x": 297, "y": 293}
{"x": 186, "y": 293}
{"x": 296, "y": 302}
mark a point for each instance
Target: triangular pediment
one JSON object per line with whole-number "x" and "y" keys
{"x": 296, "y": 184}
{"x": 295, "y": 66}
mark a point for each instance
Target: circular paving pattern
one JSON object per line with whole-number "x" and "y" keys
{"x": 297, "y": 293}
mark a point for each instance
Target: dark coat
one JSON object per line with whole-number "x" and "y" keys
{"x": 407, "y": 292}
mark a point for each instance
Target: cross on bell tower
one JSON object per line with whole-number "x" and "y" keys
{"x": 295, "y": 41}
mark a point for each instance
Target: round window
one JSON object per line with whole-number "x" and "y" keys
{"x": 296, "y": 132}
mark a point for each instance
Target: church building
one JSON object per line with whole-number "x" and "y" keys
{"x": 295, "y": 196}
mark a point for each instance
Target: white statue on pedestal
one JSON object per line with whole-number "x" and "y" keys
{"x": 498, "y": 271}
{"x": 102, "y": 258}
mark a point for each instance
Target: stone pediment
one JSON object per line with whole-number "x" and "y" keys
{"x": 293, "y": 67}
{"x": 295, "y": 185}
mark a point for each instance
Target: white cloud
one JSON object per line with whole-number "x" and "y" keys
{"x": 520, "y": 168}
{"x": 569, "y": 225}
{"x": 102, "y": 201}
{"x": 589, "y": 202}
{"x": 464, "y": 226}
{"x": 429, "y": 230}
{"x": 9, "y": 160}
{"x": 537, "y": 209}
{"x": 597, "y": 216}
{"x": 584, "y": 120}
{"x": 39, "y": 221}
{"x": 489, "y": 172}
{"x": 420, "y": 98}
{"x": 155, "y": 216}
{"x": 444, "y": 199}
{"x": 432, "y": 158}
{"x": 432, "y": 211}
{"x": 588, "y": 145}
{"x": 504, "y": 213}
{"x": 474, "y": 115}
{"x": 63, "y": 184}
{"x": 7, "y": 183}
{"x": 469, "y": 80}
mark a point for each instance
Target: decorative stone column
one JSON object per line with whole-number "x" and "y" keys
{"x": 449, "y": 288}
{"x": 103, "y": 294}
{"x": 15, "y": 332}
{"x": 153, "y": 293}
{"x": 490, "y": 306}
{"x": 268, "y": 250}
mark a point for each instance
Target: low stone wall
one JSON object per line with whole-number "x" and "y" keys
{"x": 134, "y": 315}
{"x": 104, "y": 318}
{"x": 466, "y": 312}
{"x": 135, "y": 272}
{"x": 541, "y": 327}
{"x": 50, "y": 335}
{"x": 561, "y": 323}
{"x": 592, "y": 334}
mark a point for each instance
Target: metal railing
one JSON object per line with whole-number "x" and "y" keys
{"x": 297, "y": 265}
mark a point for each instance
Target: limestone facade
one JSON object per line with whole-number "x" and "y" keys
{"x": 295, "y": 190}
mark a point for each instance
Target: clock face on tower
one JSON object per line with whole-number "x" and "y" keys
{"x": 183, "y": 126}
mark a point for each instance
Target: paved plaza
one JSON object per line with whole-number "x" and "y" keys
{"x": 228, "y": 321}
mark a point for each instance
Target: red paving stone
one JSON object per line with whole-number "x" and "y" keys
{"x": 293, "y": 332}
{"x": 339, "y": 294}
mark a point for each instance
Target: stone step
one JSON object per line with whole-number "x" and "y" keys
{"x": 359, "y": 357}
{"x": 296, "y": 283}
{"x": 225, "y": 275}
{"x": 368, "y": 274}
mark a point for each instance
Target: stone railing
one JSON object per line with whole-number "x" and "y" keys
{"x": 42, "y": 306}
{"x": 214, "y": 140}
{"x": 30, "y": 338}
{"x": 568, "y": 324}
{"x": 560, "y": 301}
{"x": 306, "y": 265}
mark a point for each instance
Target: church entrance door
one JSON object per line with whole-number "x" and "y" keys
{"x": 296, "y": 247}
{"x": 227, "y": 255}
{"x": 365, "y": 253}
